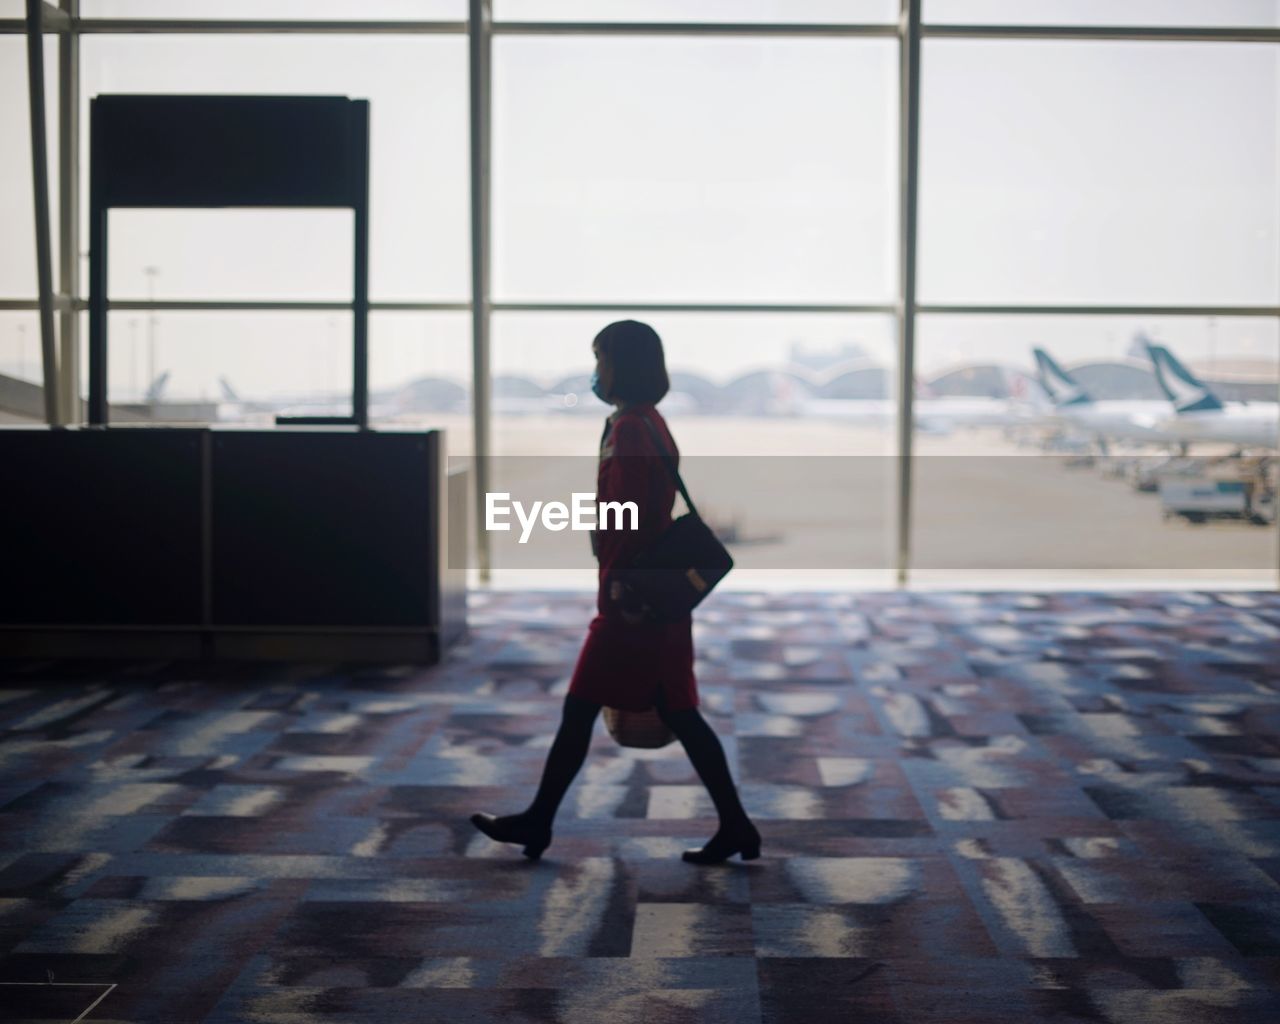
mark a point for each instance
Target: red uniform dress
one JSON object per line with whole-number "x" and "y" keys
{"x": 624, "y": 665}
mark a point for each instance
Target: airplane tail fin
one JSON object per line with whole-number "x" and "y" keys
{"x": 228, "y": 392}
{"x": 1057, "y": 383}
{"x": 1025, "y": 390}
{"x": 784, "y": 395}
{"x": 156, "y": 391}
{"x": 1180, "y": 385}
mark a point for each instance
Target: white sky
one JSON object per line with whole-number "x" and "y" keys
{"x": 735, "y": 170}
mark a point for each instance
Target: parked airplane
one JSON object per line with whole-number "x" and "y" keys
{"x": 1199, "y": 415}
{"x": 155, "y": 393}
{"x": 933, "y": 414}
{"x": 234, "y": 409}
{"x": 1105, "y": 420}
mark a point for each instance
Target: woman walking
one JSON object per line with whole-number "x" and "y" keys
{"x": 629, "y": 662}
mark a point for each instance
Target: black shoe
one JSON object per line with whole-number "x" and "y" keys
{"x": 514, "y": 828}
{"x": 744, "y": 840}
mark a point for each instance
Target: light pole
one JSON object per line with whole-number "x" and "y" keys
{"x": 328, "y": 377}
{"x": 152, "y": 273}
{"x": 133, "y": 358}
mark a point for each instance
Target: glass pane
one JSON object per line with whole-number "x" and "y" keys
{"x": 21, "y": 372}
{"x": 420, "y": 374}
{"x": 767, "y": 373}
{"x": 1112, "y": 172}
{"x": 419, "y": 191}
{"x": 610, "y": 183}
{"x": 20, "y": 346}
{"x": 18, "y": 254}
{"x": 308, "y": 10}
{"x": 231, "y": 254}
{"x": 1079, "y": 467}
{"x": 17, "y": 198}
{"x": 768, "y": 11}
{"x": 766, "y": 411}
{"x": 226, "y": 367}
{"x": 1260, "y": 13}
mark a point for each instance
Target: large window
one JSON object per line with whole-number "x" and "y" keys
{"x": 1130, "y": 173}
{"x": 706, "y": 171}
{"x": 1096, "y": 179}
{"x": 694, "y": 170}
{"x": 1117, "y": 173}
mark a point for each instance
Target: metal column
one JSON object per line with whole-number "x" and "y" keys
{"x": 360, "y": 288}
{"x": 909, "y": 181}
{"x": 69, "y": 216}
{"x": 40, "y": 182}
{"x": 97, "y": 278}
{"x": 480, "y": 31}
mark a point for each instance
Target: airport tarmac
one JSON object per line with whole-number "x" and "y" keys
{"x": 983, "y": 505}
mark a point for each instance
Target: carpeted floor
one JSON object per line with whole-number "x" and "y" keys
{"x": 975, "y": 808}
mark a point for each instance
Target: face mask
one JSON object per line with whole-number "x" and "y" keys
{"x": 596, "y": 388}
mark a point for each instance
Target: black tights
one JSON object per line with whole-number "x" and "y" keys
{"x": 574, "y": 737}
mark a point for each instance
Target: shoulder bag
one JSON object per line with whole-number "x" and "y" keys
{"x": 672, "y": 576}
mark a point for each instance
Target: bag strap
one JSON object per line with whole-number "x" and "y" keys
{"x": 669, "y": 461}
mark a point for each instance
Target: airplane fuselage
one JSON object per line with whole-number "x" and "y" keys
{"x": 1251, "y": 424}
{"x": 937, "y": 415}
{"x": 1119, "y": 419}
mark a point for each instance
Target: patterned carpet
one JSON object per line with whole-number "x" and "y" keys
{"x": 975, "y": 808}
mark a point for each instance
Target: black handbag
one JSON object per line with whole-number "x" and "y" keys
{"x": 670, "y": 577}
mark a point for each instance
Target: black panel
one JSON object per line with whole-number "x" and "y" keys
{"x": 214, "y": 151}
{"x": 324, "y": 528}
{"x": 100, "y": 527}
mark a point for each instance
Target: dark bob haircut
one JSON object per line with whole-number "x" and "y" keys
{"x": 634, "y": 352}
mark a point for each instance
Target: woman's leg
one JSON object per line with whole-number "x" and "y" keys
{"x": 736, "y": 833}
{"x": 532, "y": 827}
{"x": 569, "y": 750}
{"x": 707, "y": 756}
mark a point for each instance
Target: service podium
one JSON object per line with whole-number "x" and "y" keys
{"x": 308, "y": 543}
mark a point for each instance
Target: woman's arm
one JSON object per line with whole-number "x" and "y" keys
{"x": 628, "y": 474}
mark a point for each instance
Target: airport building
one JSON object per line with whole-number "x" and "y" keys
{"x": 332, "y": 333}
